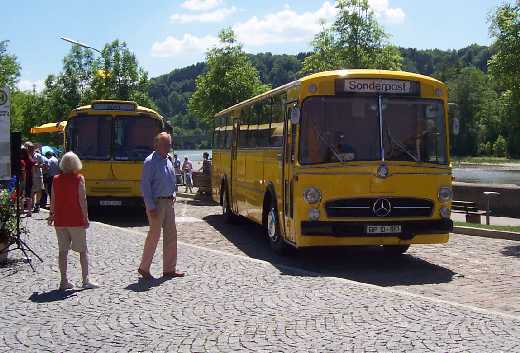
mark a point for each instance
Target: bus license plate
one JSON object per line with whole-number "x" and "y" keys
{"x": 110, "y": 203}
{"x": 392, "y": 229}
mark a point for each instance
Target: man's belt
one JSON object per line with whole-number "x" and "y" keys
{"x": 165, "y": 197}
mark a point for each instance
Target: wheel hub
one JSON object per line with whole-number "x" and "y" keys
{"x": 271, "y": 225}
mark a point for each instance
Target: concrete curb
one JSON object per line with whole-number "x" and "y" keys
{"x": 487, "y": 233}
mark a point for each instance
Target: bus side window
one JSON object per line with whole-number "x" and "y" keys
{"x": 243, "y": 136}
{"x": 253, "y": 125}
{"x": 229, "y": 132}
{"x": 276, "y": 127}
{"x": 264, "y": 117}
{"x": 217, "y": 135}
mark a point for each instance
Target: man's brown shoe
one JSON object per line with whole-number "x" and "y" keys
{"x": 173, "y": 274}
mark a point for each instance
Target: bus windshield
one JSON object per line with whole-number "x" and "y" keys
{"x": 133, "y": 137}
{"x": 413, "y": 130}
{"x": 344, "y": 129}
{"x": 91, "y": 136}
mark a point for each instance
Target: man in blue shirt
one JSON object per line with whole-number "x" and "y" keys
{"x": 158, "y": 186}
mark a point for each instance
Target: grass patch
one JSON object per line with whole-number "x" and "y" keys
{"x": 485, "y": 226}
{"x": 484, "y": 160}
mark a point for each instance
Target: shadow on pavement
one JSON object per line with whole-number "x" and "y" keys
{"x": 144, "y": 285}
{"x": 201, "y": 202}
{"x": 53, "y": 295}
{"x": 513, "y": 250}
{"x": 362, "y": 264}
{"x": 120, "y": 217}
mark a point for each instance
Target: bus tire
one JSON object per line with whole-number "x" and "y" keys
{"x": 395, "y": 250}
{"x": 227, "y": 212}
{"x": 278, "y": 244}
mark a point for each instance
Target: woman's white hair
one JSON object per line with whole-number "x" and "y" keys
{"x": 70, "y": 163}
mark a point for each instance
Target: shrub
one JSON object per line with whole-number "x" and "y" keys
{"x": 500, "y": 147}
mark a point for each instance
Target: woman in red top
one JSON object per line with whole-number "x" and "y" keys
{"x": 69, "y": 214}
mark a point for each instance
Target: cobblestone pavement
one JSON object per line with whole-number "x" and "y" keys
{"x": 233, "y": 300}
{"x": 469, "y": 270}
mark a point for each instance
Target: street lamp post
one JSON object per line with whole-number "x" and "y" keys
{"x": 75, "y": 42}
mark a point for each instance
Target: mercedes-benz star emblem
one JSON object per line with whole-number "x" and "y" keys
{"x": 382, "y": 207}
{"x": 382, "y": 171}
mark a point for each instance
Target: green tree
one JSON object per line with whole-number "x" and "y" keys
{"x": 504, "y": 66}
{"x": 472, "y": 92}
{"x": 230, "y": 78}
{"x": 117, "y": 75}
{"x": 9, "y": 67}
{"x": 355, "y": 40}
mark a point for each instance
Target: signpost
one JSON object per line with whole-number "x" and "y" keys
{"x": 5, "y": 134}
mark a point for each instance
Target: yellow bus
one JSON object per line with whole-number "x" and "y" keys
{"x": 339, "y": 158}
{"x": 113, "y": 138}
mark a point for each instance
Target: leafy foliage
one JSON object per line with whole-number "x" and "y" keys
{"x": 116, "y": 74}
{"x": 9, "y": 67}
{"x": 505, "y": 68}
{"x": 354, "y": 41}
{"x": 230, "y": 78}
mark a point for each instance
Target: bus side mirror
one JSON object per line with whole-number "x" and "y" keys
{"x": 295, "y": 115}
{"x": 455, "y": 126}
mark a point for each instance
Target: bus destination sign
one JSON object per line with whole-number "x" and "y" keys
{"x": 127, "y": 107}
{"x": 367, "y": 85}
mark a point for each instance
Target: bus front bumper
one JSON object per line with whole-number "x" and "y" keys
{"x": 329, "y": 233}
{"x": 114, "y": 202}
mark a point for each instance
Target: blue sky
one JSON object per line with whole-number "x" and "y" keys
{"x": 169, "y": 34}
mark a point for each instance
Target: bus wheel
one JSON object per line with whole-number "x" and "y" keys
{"x": 228, "y": 214}
{"x": 395, "y": 250}
{"x": 273, "y": 232}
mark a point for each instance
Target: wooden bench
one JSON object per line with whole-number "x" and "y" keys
{"x": 469, "y": 208}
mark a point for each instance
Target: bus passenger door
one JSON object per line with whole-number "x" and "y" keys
{"x": 233, "y": 164}
{"x": 287, "y": 174}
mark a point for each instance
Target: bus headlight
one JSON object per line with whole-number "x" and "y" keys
{"x": 314, "y": 214}
{"x": 312, "y": 195}
{"x": 445, "y": 194}
{"x": 445, "y": 212}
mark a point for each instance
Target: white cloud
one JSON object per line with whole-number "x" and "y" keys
{"x": 288, "y": 26}
{"x": 28, "y": 85}
{"x": 285, "y": 26}
{"x": 212, "y": 16}
{"x": 172, "y": 46}
{"x": 386, "y": 13}
{"x": 201, "y": 5}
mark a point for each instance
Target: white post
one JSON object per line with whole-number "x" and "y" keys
{"x": 5, "y": 134}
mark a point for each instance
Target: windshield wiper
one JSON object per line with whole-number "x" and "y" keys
{"x": 330, "y": 146}
{"x": 400, "y": 145}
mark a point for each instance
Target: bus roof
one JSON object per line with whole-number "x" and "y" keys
{"x": 359, "y": 73}
{"x": 138, "y": 108}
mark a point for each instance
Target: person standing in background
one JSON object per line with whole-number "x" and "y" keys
{"x": 45, "y": 172}
{"x": 177, "y": 168}
{"x": 187, "y": 168}
{"x": 53, "y": 169}
{"x": 206, "y": 164}
{"x": 37, "y": 176}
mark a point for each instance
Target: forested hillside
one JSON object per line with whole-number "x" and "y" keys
{"x": 171, "y": 92}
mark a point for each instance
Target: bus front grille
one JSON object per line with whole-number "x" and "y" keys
{"x": 379, "y": 207}
{"x": 111, "y": 190}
